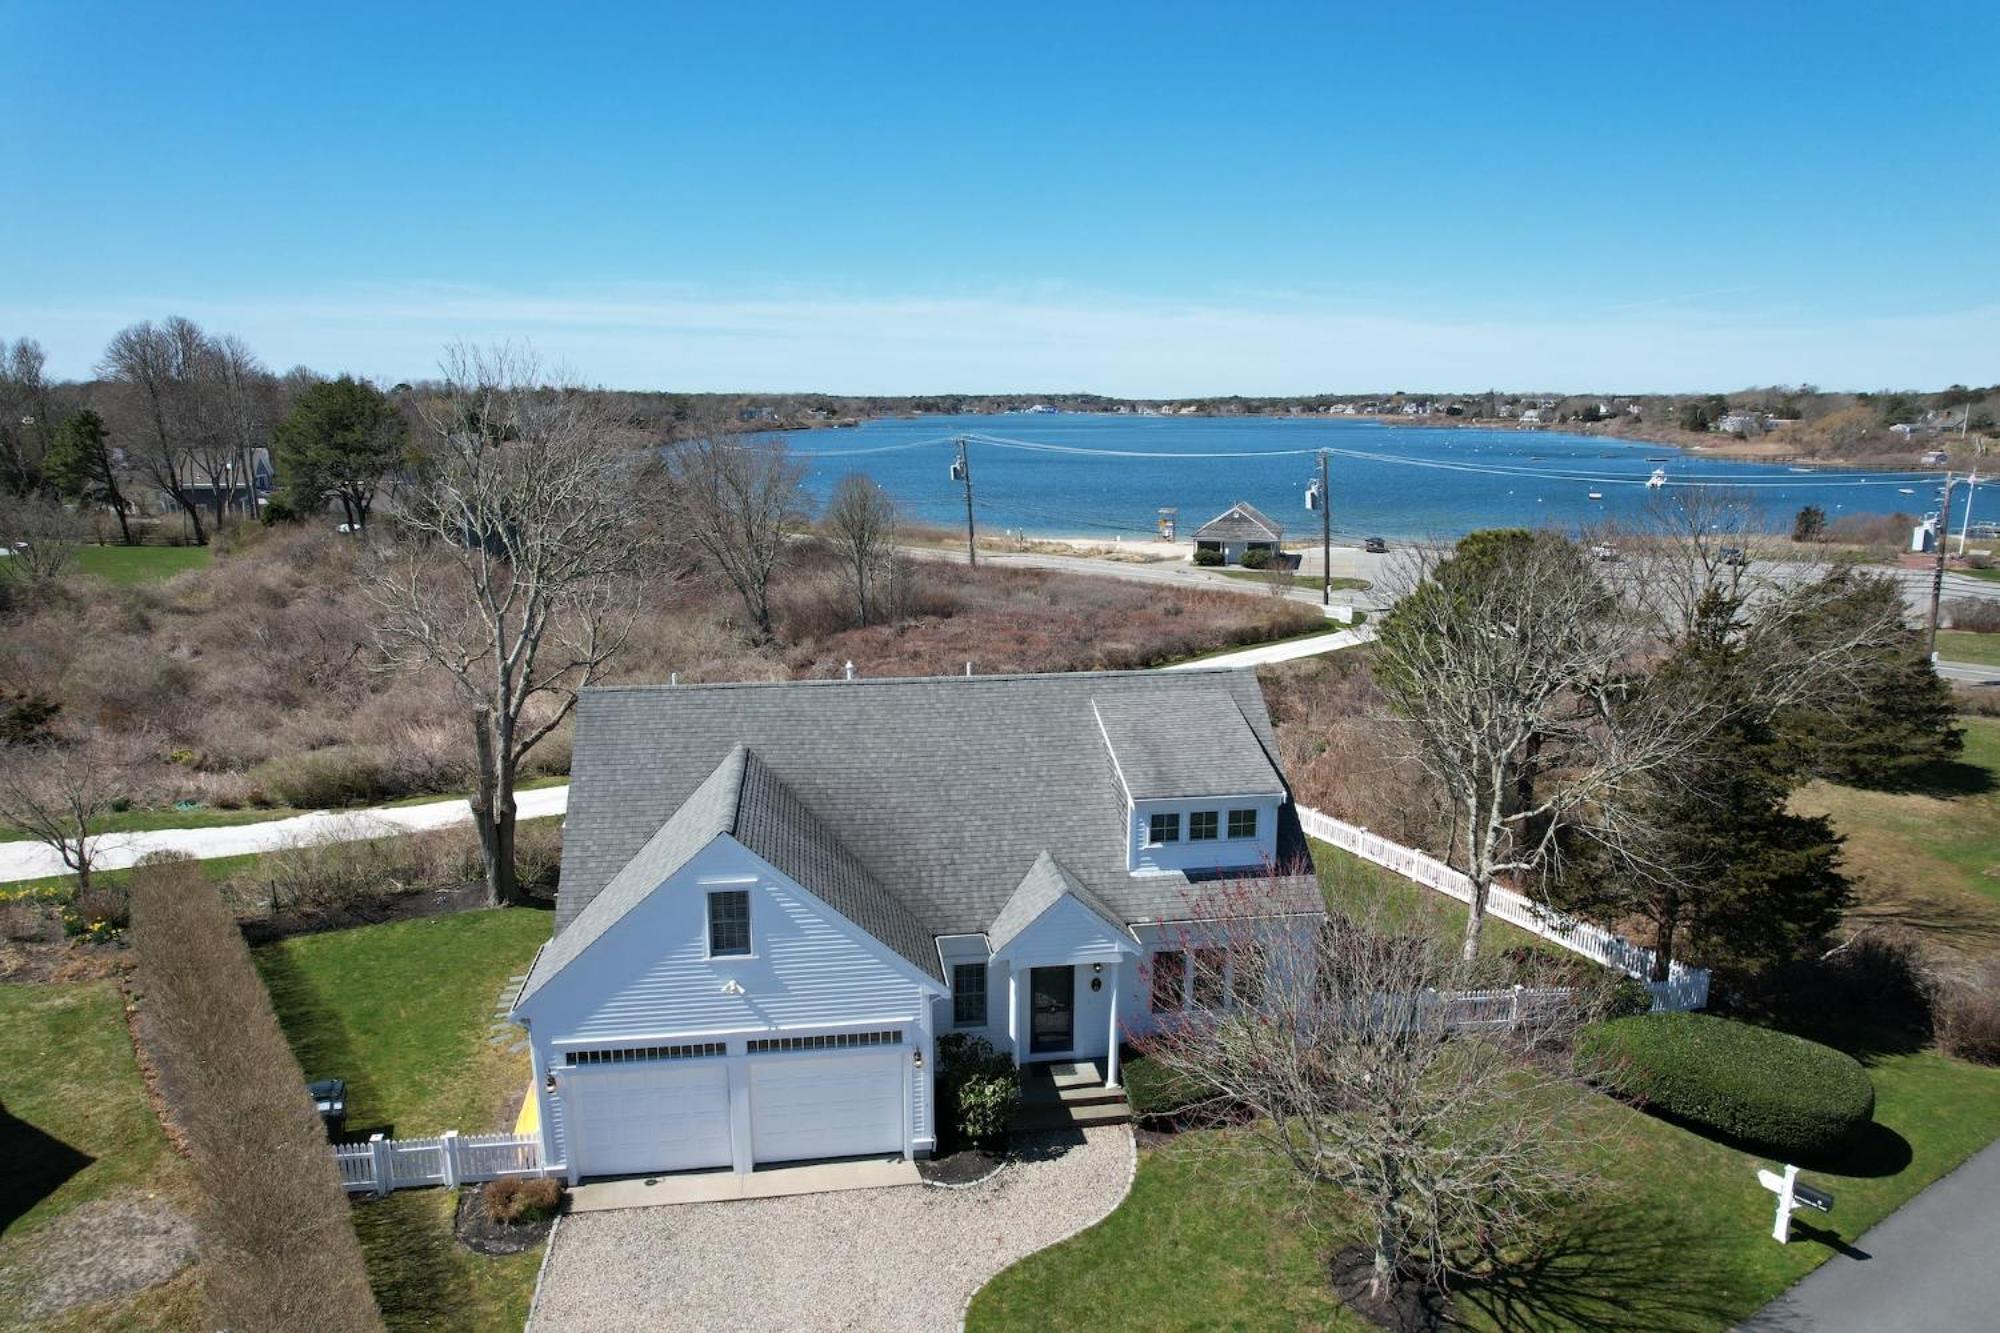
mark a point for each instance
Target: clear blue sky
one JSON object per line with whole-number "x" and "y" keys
{"x": 1145, "y": 199}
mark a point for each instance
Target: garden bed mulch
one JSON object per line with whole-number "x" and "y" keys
{"x": 368, "y": 910}
{"x": 477, "y": 1230}
{"x": 966, "y": 1166}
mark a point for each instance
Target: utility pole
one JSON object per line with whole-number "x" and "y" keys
{"x": 1316, "y": 498}
{"x": 961, "y": 470}
{"x": 1937, "y": 573}
{"x": 1325, "y": 536}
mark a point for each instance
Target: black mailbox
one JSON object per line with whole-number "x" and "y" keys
{"x": 1808, "y": 1197}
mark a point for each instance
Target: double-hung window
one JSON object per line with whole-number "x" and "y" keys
{"x": 968, "y": 995}
{"x": 1202, "y": 825}
{"x": 1243, "y": 823}
{"x": 729, "y": 923}
{"x": 1163, "y": 828}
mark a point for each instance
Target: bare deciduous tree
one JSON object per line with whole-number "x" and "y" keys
{"x": 1510, "y": 661}
{"x": 27, "y": 416}
{"x": 40, "y": 538}
{"x": 1360, "y": 1078}
{"x": 741, "y": 505}
{"x": 861, "y": 521}
{"x": 58, "y": 790}
{"x": 513, "y": 577}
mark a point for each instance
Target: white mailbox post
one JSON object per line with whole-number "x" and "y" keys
{"x": 1791, "y": 1194}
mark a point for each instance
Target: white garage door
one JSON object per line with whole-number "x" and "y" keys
{"x": 845, "y": 1105}
{"x": 644, "y": 1116}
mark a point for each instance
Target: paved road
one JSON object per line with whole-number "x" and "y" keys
{"x": 1288, "y": 651}
{"x": 1347, "y": 563}
{"x": 1969, "y": 673}
{"x": 1929, "y": 1266}
{"x": 31, "y": 860}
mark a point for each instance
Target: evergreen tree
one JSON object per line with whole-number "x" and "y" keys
{"x": 1809, "y": 525}
{"x": 79, "y": 465}
{"x": 1730, "y": 870}
{"x": 1896, "y": 718}
{"x": 341, "y": 439}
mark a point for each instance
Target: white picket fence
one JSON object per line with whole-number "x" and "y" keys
{"x": 1502, "y": 1009}
{"x": 1685, "y": 987}
{"x": 451, "y": 1159}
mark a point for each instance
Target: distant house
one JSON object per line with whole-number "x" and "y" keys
{"x": 1237, "y": 531}
{"x": 1741, "y": 423}
{"x": 1532, "y": 417}
{"x": 234, "y": 483}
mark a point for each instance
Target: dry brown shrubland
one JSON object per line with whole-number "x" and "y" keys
{"x": 1339, "y": 749}
{"x": 258, "y": 681}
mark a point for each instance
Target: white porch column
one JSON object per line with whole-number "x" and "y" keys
{"x": 1014, "y": 1011}
{"x": 1111, "y": 1051}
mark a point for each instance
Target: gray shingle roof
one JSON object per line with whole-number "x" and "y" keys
{"x": 1240, "y": 522}
{"x": 776, "y": 825}
{"x": 1043, "y": 885}
{"x": 708, "y": 812}
{"x": 1170, "y": 743}
{"x": 742, "y": 797}
{"x": 945, "y": 789}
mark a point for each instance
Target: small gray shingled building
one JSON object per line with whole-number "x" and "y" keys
{"x": 1239, "y": 530}
{"x": 775, "y": 897}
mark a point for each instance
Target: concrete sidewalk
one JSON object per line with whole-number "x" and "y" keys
{"x": 1929, "y": 1265}
{"x": 777, "y": 1182}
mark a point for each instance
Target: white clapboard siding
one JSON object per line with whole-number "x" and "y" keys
{"x": 1685, "y": 987}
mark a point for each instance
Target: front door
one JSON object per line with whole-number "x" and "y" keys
{"x": 1052, "y": 1004}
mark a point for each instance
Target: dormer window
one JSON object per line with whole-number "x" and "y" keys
{"x": 1202, "y": 825}
{"x": 1242, "y": 823}
{"x": 729, "y": 923}
{"x": 1164, "y": 828}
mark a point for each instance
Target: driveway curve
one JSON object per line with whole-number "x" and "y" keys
{"x": 903, "y": 1260}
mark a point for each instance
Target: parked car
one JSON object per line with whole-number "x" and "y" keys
{"x": 1374, "y": 545}
{"x": 330, "y": 1099}
{"x": 1733, "y": 555}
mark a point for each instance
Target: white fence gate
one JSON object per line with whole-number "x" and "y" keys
{"x": 1685, "y": 987}
{"x": 451, "y": 1159}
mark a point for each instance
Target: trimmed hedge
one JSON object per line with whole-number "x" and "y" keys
{"x": 1791, "y": 1097}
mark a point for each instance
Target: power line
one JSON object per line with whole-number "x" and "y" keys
{"x": 1485, "y": 469}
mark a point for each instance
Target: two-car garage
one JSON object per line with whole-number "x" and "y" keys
{"x": 740, "y": 1103}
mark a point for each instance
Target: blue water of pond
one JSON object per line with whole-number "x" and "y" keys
{"x": 1101, "y": 475}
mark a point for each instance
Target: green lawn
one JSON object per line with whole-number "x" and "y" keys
{"x": 401, "y": 1012}
{"x": 140, "y": 564}
{"x": 77, "y": 1127}
{"x": 1351, "y": 884}
{"x": 1676, "y": 1236}
{"x": 1957, "y": 645}
{"x": 1928, "y": 859}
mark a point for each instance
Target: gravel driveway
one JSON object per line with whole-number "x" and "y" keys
{"x": 887, "y": 1259}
